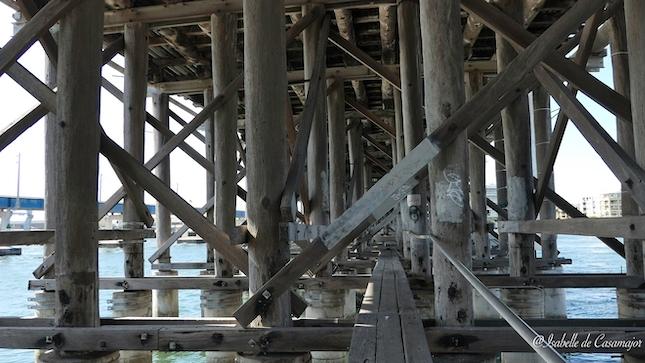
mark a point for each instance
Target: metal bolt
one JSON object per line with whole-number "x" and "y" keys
{"x": 172, "y": 345}
{"x": 266, "y": 294}
{"x": 252, "y": 343}
{"x": 49, "y": 339}
{"x": 143, "y": 336}
{"x": 102, "y": 344}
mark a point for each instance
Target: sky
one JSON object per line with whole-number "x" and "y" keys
{"x": 578, "y": 169}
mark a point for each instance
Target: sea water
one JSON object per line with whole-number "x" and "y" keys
{"x": 589, "y": 255}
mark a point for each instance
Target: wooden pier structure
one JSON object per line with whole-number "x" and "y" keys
{"x": 356, "y": 132}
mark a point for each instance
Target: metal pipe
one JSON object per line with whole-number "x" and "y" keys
{"x": 530, "y": 336}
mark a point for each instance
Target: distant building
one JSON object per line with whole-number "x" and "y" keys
{"x": 600, "y": 205}
{"x": 603, "y": 205}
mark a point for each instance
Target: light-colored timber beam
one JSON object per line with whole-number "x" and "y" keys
{"x": 626, "y": 227}
{"x": 390, "y": 189}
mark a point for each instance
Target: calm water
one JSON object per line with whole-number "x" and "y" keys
{"x": 588, "y": 254}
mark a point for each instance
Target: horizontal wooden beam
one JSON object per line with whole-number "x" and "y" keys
{"x": 206, "y": 282}
{"x": 626, "y": 227}
{"x": 477, "y": 339}
{"x": 39, "y": 237}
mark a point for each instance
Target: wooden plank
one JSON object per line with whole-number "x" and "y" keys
{"x": 389, "y": 345}
{"x": 363, "y": 344}
{"x": 390, "y": 189}
{"x": 626, "y": 227}
{"x": 40, "y": 23}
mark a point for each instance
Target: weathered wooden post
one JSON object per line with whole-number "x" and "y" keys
{"x": 477, "y": 173}
{"x": 223, "y": 129}
{"x": 413, "y": 130}
{"x": 443, "y": 70}
{"x": 526, "y": 302}
{"x": 631, "y": 304}
{"x": 337, "y": 150}
{"x": 500, "y": 188}
{"x": 45, "y": 300}
{"x": 265, "y": 82}
{"x": 400, "y": 153}
{"x": 554, "y": 299}
{"x": 356, "y": 158}
{"x": 134, "y": 303}
{"x": 76, "y": 174}
{"x": 165, "y": 303}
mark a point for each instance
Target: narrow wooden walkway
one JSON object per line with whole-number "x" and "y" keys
{"x": 388, "y": 327}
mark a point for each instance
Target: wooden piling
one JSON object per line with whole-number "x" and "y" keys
{"x": 136, "y": 303}
{"x": 356, "y": 159}
{"x": 76, "y": 172}
{"x": 165, "y": 303}
{"x": 554, "y": 299}
{"x": 631, "y": 304}
{"x": 134, "y": 106}
{"x": 519, "y": 181}
{"x": 337, "y": 150}
{"x": 413, "y": 130}
{"x": 477, "y": 173}
{"x": 223, "y": 132}
{"x": 265, "y": 79}
{"x": 449, "y": 207}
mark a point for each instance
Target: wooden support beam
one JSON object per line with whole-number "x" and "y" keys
{"x": 29, "y": 8}
{"x": 140, "y": 207}
{"x": 314, "y": 95}
{"x": 390, "y": 189}
{"x": 33, "y": 29}
{"x": 577, "y": 75}
{"x": 366, "y": 60}
{"x": 380, "y": 147}
{"x": 78, "y": 128}
{"x": 314, "y": 40}
{"x": 489, "y": 337}
{"x": 626, "y": 227}
{"x": 363, "y": 110}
